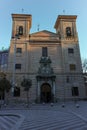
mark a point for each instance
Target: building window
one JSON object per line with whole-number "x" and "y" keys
{"x": 16, "y": 92}
{"x": 18, "y": 50}
{"x": 70, "y": 50}
{"x": 20, "y": 30}
{"x": 72, "y": 67}
{"x": 17, "y": 66}
{"x": 75, "y": 91}
{"x": 68, "y": 31}
{"x": 44, "y": 51}
{"x": 67, "y": 79}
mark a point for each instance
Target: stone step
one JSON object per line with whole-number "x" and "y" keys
{"x": 45, "y": 121}
{"x": 5, "y": 122}
{"x": 71, "y": 125}
{"x": 82, "y": 128}
{"x": 51, "y": 124}
{"x": 55, "y": 126}
{"x": 8, "y": 121}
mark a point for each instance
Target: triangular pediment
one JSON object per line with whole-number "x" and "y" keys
{"x": 44, "y": 36}
{"x": 44, "y": 33}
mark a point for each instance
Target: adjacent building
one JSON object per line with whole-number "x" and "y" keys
{"x": 4, "y": 60}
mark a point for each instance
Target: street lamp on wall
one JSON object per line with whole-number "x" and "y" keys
{"x": 14, "y": 61}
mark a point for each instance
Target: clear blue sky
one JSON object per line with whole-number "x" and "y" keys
{"x": 44, "y": 12}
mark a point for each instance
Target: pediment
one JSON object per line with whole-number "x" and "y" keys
{"x": 44, "y": 33}
{"x": 44, "y": 36}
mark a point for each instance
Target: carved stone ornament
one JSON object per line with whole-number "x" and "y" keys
{"x": 45, "y": 70}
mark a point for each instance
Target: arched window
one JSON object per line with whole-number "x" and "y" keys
{"x": 20, "y": 30}
{"x": 68, "y": 31}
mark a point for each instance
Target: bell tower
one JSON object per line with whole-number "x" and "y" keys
{"x": 21, "y": 25}
{"x": 66, "y": 26}
{"x": 72, "y": 76}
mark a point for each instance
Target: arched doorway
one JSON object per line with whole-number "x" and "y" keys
{"x": 45, "y": 93}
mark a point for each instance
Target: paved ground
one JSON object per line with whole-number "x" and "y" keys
{"x": 44, "y": 117}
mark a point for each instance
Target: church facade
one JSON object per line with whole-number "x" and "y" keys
{"x": 51, "y": 60}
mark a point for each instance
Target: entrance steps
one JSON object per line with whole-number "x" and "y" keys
{"x": 49, "y": 120}
{"x": 8, "y": 122}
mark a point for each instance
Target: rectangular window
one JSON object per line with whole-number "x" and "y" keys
{"x": 72, "y": 67}
{"x": 70, "y": 50}
{"x": 75, "y": 91}
{"x": 18, "y": 50}
{"x": 44, "y": 52}
{"x": 67, "y": 79}
{"x": 17, "y": 66}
